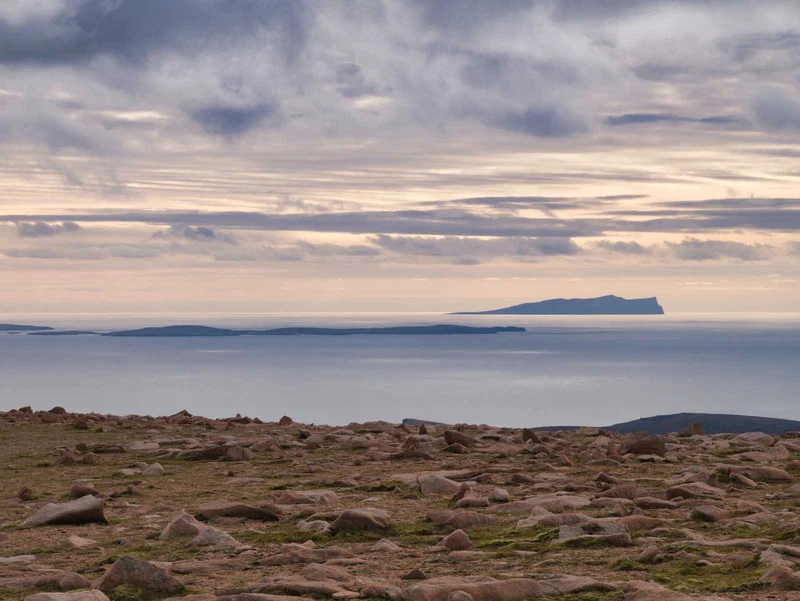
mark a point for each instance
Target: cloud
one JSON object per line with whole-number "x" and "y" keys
{"x": 647, "y": 118}
{"x": 78, "y": 31}
{"x": 195, "y": 234}
{"x": 232, "y": 122}
{"x": 473, "y": 250}
{"x": 40, "y": 229}
{"x": 692, "y": 249}
{"x": 623, "y": 248}
{"x": 777, "y": 111}
{"x": 83, "y": 253}
{"x": 551, "y": 122}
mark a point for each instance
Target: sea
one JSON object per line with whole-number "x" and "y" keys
{"x": 564, "y": 370}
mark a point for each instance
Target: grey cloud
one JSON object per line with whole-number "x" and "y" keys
{"x": 692, "y": 249}
{"x": 77, "y": 254}
{"x": 778, "y": 111}
{"x": 133, "y": 30}
{"x": 338, "y": 250}
{"x": 647, "y": 118}
{"x": 28, "y": 120}
{"x": 549, "y": 122}
{"x": 232, "y": 122}
{"x": 83, "y": 253}
{"x": 40, "y": 229}
{"x": 195, "y": 234}
{"x": 623, "y": 248}
{"x": 476, "y": 248}
{"x": 352, "y": 82}
{"x": 734, "y": 204}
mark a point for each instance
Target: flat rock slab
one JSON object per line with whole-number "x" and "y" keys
{"x": 216, "y": 509}
{"x": 81, "y": 511}
{"x": 78, "y": 596}
{"x": 439, "y": 589}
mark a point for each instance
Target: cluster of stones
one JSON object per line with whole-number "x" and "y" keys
{"x": 598, "y": 511}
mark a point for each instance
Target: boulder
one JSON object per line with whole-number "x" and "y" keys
{"x": 181, "y": 525}
{"x": 139, "y": 573}
{"x": 81, "y": 511}
{"x": 214, "y": 537}
{"x": 456, "y": 541}
{"x": 479, "y": 589}
{"x": 645, "y": 445}
{"x": 707, "y": 513}
{"x": 692, "y": 490}
{"x": 215, "y": 509}
{"x": 456, "y": 437}
{"x": 82, "y": 490}
{"x": 360, "y": 519}
{"x": 438, "y": 485}
{"x": 153, "y": 471}
{"x": 74, "y": 596}
{"x": 238, "y": 454}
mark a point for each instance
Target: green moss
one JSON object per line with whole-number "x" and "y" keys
{"x": 690, "y": 577}
{"x": 590, "y": 596}
{"x": 129, "y": 592}
{"x": 626, "y": 565}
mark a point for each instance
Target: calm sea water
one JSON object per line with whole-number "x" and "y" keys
{"x": 563, "y": 371}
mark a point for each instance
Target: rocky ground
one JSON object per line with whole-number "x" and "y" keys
{"x": 136, "y": 508}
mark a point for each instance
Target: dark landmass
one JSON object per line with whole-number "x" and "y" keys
{"x": 176, "y": 332}
{"x": 713, "y": 423}
{"x": 603, "y": 305}
{"x": 10, "y": 327}
{"x": 64, "y": 333}
{"x": 191, "y": 331}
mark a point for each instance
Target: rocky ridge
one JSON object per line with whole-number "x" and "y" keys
{"x": 100, "y": 507}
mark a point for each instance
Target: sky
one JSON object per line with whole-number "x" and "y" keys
{"x": 262, "y": 156}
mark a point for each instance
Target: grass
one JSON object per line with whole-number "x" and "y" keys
{"x": 129, "y": 592}
{"x": 689, "y": 576}
{"x": 590, "y": 596}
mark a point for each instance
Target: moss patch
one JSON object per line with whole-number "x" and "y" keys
{"x": 691, "y": 577}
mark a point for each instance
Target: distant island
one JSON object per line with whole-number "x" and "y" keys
{"x": 10, "y": 327}
{"x": 195, "y": 331}
{"x": 712, "y": 423}
{"x": 602, "y": 305}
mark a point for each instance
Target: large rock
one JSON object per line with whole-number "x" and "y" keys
{"x": 456, "y": 437}
{"x": 360, "y": 519}
{"x": 438, "y": 485}
{"x": 482, "y": 589}
{"x": 181, "y": 525}
{"x": 85, "y": 510}
{"x": 136, "y": 572}
{"x": 456, "y": 541}
{"x": 645, "y": 445}
{"x": 214, "y": 537}
{"x": 215, "y": 509}
{"x": 153, "y": 471}
{"x": 692, "y": 490}
{"x": 74, "y": 596}
{"x": 573, "y": 585}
